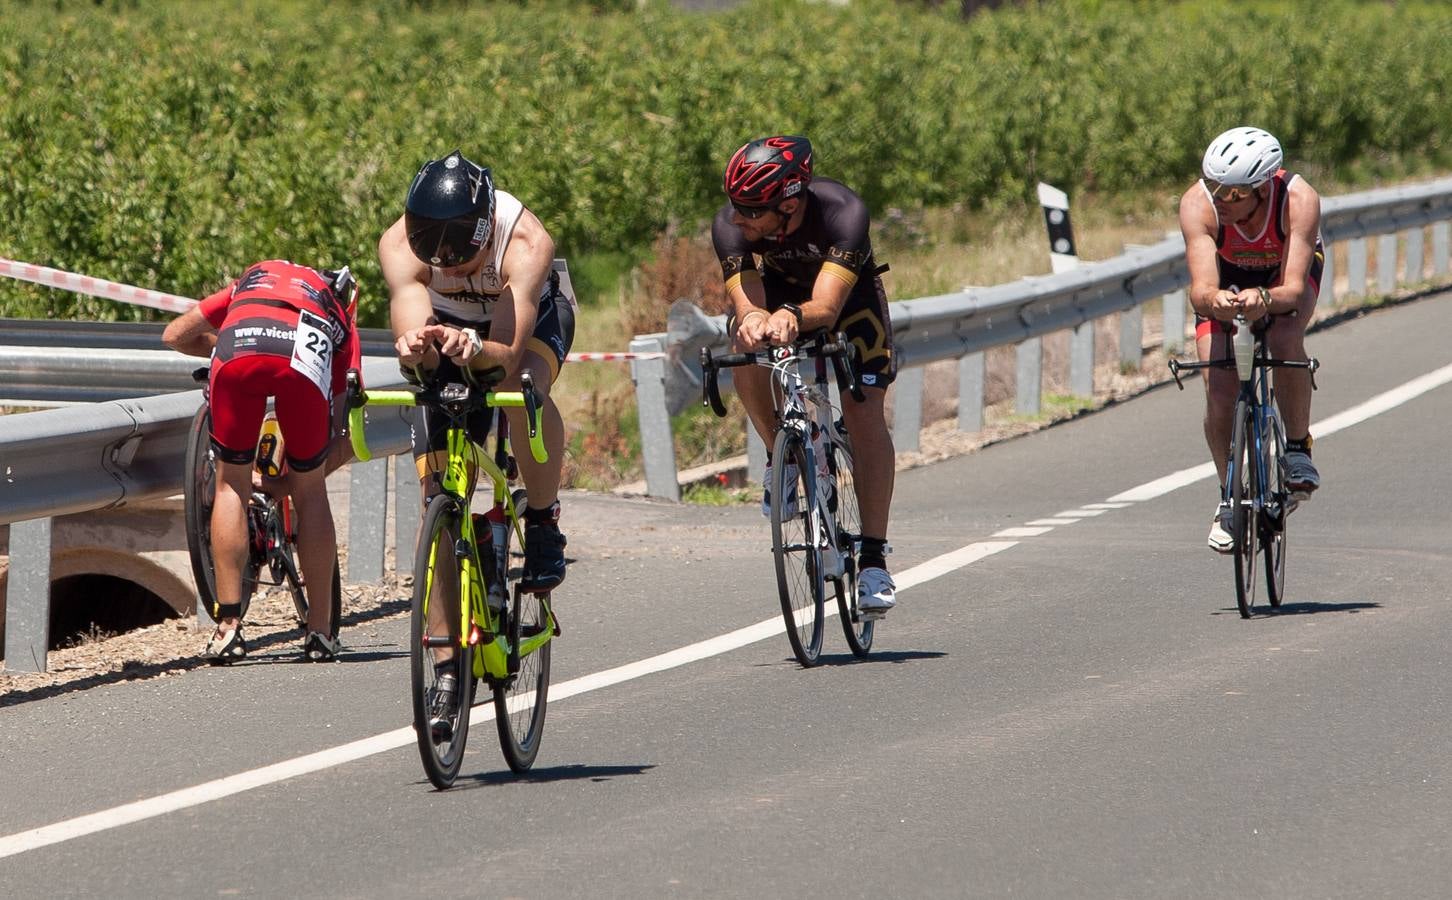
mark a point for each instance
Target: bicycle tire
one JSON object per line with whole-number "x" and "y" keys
{"x": 798, "y": 560}
{"x": 520, "y": 701}
{"x": 199, "y": 484}
{"x": 443, "y": 754}
{"x": 858, "y": 630}
{"x": 1244, "y": 526}
{"x": 1274, "y": 532}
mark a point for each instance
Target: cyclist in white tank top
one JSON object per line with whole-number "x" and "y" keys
{"x": 474, "y": 282}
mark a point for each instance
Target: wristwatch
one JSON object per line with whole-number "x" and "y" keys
{"x": 795, "y": 310}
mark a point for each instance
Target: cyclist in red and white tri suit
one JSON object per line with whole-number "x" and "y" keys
{"x": 283, "y": 331}
{"x": 1253, "y": 248}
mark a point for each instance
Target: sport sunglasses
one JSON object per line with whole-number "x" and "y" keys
{"x": 1227, "y": 193}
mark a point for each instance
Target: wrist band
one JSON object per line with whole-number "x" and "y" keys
{"x": 1264, "y": 296}
{"x": 755, "y": 312}
{"x": 794, "y": 310}
{"x": 476, "y": 344}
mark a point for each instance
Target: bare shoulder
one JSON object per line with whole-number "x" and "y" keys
{"x": 396, "y": 259}
{"x": 1303, "y": 203}
{"x": 531, "y": 249}
{"x": 1197, "y": 213}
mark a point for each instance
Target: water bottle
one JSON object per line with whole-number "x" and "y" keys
{"x": 499, "y": 533}
{"x": 270, "y": 461}
{"x": 1244, "y": 348}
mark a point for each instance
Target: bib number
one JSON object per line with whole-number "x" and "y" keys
{"x": 312, "y": 352}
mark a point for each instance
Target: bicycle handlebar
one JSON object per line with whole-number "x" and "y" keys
{"x": 432, "y": 394}
{"x": 841, "y": 351}
{"x": 1311, "y": 365}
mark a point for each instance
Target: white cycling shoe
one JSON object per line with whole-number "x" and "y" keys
{"x": 766, "y": 488}
{"x": 876, "y": 593}
{"x": 1221, "y": 540}
{"x": 1301, "y": 475}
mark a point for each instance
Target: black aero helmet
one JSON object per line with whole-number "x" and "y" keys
{"x": 769, "y": 170}
{"x": 450, "y": 210}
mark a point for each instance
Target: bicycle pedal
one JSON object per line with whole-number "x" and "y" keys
{"x": 871, "y": 615}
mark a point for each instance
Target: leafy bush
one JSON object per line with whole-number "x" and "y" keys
{"x": 168, "y": 145}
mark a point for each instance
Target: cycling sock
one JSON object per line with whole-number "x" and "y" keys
{"x": 547, "y": 516}
{"x": 873, "y": 555}
{"x": 1299, "y": 446}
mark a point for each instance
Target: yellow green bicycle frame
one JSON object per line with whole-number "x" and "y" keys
{"x": 492, "y": 656}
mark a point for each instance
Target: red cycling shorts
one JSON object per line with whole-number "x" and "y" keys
{"x": 239, "y": 391}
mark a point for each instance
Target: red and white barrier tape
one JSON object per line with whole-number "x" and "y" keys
{"x": 96, "y": 287}
{"x": 110, "y": 290}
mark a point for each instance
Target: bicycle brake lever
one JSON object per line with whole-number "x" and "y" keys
{"x": 531, "y": 402}
{"x": 1314, "y": 365}
{"x": 710, "y": 388}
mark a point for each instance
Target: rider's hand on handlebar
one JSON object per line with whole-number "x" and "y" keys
{"x": 415, "y": 343}
{"x": 781, "y": 328}
{"x": 752, "y": 331}
{"x": 1254, "y": 303}
{"x": 1225, "y": 306}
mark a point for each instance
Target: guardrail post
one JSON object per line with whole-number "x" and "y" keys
{"x": 1131, "y": 337}
{"x": 1081, "y": 359}
{"x": 367, "y": 511}
{"x": 27, "y": 601}
{"x": 1174, "y": 321}
{"x": 970, "y": 392}
{"x": 406, "y": 511}
{"x": 1028, "y": 377}
{"x": 1415, "y": 242}
{"x": 656, "y": 443}
{"x": 1386, "y": 264}
{"x": 907, "y": 409}
{"x": 1441, "y": 242}
{"x": 1326, "y": 298}
{"x": 1356, "y": 267}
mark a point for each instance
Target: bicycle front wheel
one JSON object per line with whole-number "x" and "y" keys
{"x": 199, "y": 485}
{"x": 1278, "y": 518}
{"x": 1245, "y": 527}
{"x": 798, "y": 559}
{"x": 519, "y": 702}
{"x": 440, "y": 721}
{"x": 843, "y": 504}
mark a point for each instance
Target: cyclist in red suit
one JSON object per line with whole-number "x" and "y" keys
{"x": 1253, "y": 248}
{"x": 283, "y": 331}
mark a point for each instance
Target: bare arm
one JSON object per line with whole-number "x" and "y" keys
{"x": 748, "y": 298}
{"x": 409, "y": 307}
{"x": 191, "y": 334}
{"x": 526, "y": 266}
{"x": 1198, "y": 225}
{"x": 1303, "y": 225}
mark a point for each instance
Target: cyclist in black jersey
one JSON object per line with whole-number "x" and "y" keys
{"x": 796, "y": 257}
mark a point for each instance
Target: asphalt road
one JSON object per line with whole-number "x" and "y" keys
{"x": 1078, "y": 711}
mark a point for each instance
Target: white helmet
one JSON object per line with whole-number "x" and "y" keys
{"x": 1243, "y": 156}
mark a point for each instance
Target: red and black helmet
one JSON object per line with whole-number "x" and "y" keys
{"x": 769, "y": 170}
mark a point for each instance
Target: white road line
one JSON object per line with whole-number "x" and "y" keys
{"x": 1053, "y": 522}
{"x": 115, "y": 817}
{"x": 151, "y": 807}
{"x": 1355, "y": 415}
{"x": 1023, "y": 531}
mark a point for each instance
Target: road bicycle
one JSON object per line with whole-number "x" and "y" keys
{"x": 271, "y": 528}
{"x": 1255, "y": 472}
{"x": 497, "y": 632}
{"x": 816, "y": 526}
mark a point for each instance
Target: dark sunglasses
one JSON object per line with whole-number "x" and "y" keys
{"x": 1227, "y": 193}
{"x": 752, "y": 212}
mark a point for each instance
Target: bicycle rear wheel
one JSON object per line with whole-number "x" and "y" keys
{"x": 519, "y": 703}
{"x": 1278, "y": 519}
{"x": 441, "y": 746}
{"x": 284, "y": 569}
{"x": 1245, "y": 527}
{"x": 199, "y": 485}
{"x": 798, "y": 560}
{"x": 857, "y": 628}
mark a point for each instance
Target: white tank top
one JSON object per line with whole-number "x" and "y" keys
{"x": 471, "y": 298}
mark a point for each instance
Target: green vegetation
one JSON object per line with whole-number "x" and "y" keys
{"x": 167, "y": 144}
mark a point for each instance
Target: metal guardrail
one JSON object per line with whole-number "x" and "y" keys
{"x": 125, "y": 451}
{"x": 45, "y": 362}
{"x": 963, "y": 324}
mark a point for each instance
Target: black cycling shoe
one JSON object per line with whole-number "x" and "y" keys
{"x": 544, "y": 558}
{"x": 444, "y": 707}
